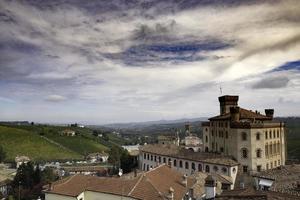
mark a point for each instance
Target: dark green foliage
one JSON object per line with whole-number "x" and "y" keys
{"x": 29, "y": 181}
{"x": 2, "y": 154}
{"x": 48, "y": 175}
{"x": 120, "y": 158}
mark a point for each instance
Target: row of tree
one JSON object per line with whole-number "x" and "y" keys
{"x": 29, "y": 180}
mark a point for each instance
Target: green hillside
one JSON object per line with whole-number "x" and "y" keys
{"x": 21, "y": 142}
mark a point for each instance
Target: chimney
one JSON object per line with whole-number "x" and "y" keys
{"x": 226, "y": 102}
{"x": 184, "y": 180}
{"x": 171, "y": 194}
{"x": 269, "y": 113}
{"x": 210, "y": 187}
{"x": 235, "y": 114}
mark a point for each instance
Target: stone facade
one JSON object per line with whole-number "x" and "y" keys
{"x": 256, "y": 141}
{"x": 149, "y": 160}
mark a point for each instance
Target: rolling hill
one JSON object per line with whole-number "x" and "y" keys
{"x": 22, "y": 142}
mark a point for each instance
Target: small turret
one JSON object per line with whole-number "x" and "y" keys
{"x": 226, "y": 102}
{"x": 269, "y": 113}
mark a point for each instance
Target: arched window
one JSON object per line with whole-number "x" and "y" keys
{"x": 270, "y": 134}
{"x": 175, "y": 163}
{"x": 206, "y": 139}
{"x": 266, "y": 135}
{"x": 270, "y": 149}
{"x": 258, "y": 153}
{"x": 148, "y": 157}
{"x": 257, "y": 136}
{"x": 274, "y": 148}
{"x": 193, "y": 166}
{"x": 244, "y": 153}
{"x": 216, "y": 168}
{"x": 144, "y": 168}
{"x": 244, "y": 136}
{"x": 199, "y": 167}
{"x": 180, "y": 163}
{"x": 159, "y": 159}
{"x": 206, "y": 149}
{"x": 266, "y": 150}
{"x": 144, "y": 156}
{"x": 207, "y": 169}
{"x": 224, "y": 170}
{"x": 186, "y": 165}
{"x": 278, "y": 148}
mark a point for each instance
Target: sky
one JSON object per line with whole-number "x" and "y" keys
{"x": 97, "y": 62}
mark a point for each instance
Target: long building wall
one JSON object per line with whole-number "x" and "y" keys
{"x": 185, "y": 166}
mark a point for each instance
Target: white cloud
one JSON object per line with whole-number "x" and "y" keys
{"x": 55, "y": 98}
{"x": 72, "y": 45}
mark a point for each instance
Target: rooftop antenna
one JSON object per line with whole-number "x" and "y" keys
{"x": 221, "y": 89}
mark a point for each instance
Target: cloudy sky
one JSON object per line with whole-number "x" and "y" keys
{"x": 137, "y": 60}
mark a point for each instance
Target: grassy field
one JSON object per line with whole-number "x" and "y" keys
{"x": 22, "y": 142}
{"x": 83, "y": 143}
{"x": 79, "y": 144}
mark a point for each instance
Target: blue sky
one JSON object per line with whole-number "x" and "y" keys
{"x": 96, "y": 62}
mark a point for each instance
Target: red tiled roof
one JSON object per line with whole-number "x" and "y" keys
{"x": 251, "y": 193}
{"x": 154, "y": 184}
{"x": 244, "y": 114}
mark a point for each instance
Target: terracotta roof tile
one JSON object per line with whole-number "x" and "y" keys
{"x": 154, "y": 184}
{"x": 244, "y": 114}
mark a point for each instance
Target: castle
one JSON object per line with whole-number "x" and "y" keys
{"x": 255, "y": 140}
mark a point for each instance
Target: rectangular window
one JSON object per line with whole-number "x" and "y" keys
{"x": 245, "y": 169}
{"x": 258, "y": 168}
{"x": 266, "y": 135}
{"x": 164, "y": 160}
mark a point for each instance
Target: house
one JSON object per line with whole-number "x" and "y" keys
{"x": 68, "y": 132}
{"x": 21, "y": 159}
{"x": 168, "y": 139}
{"x": 187, "y": 161}
{"x": 97, "y": 157}
{"x": 4, "y": 186}
{"x": 255, "y": 140}
{"x": 161, "y": 183}
{"x": 284, "y": 179}
{"x": 6, "y": 176}
{"x": 85, "y": 170}
{"x": 251, "y": 193}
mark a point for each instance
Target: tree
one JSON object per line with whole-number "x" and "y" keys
{"x": 120, "y": 158}
{"x": 2, "y": 154}
{"x": 37, "y": 176}
{"x": 48, "y": 175}
{"x": 114, "y": 156}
